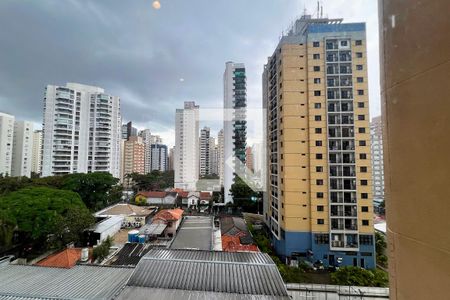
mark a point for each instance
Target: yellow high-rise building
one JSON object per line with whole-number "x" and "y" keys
{"x": 315, "y": 94}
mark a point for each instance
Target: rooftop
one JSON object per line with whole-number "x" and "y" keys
{"x": 67, "y": 258}
{"x": 152, "y": 229}
{"x": 125, "y": 209}
{"x": 232, "y": 226}
{"x": 169, "y": 214}
{"x": 195, "y": 233}
{"x": 153, "y": 194}
{"x": 130, "y": 254}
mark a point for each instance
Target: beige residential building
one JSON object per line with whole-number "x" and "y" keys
{"x": 36, "y": 160}
{"x": 133, "y": 156}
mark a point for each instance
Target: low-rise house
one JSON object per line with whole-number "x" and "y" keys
{"x": 205, "y": 198}
{"x": 157, "y": 198}
{"x": 170, "y": 217}
{"x": 67, "y": 259}
{"x": 235, "y": 235}
{"x": 134, "y": 216}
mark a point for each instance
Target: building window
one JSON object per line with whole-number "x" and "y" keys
{"x": 318, "y": 130}
{"x": 359, "y": 67}
{"x": 317, "y": 118}
{"x": 361, "y": 130}
{"x": 318, "y": 156}
{"x": 365, "y": 239}
{"x": 316, "y": 80}
{"x": 317, "y": 105}
{"x": 360, "y": 92}
{"x": 320, "y": 222}
{"x": 316, "y": 93}
{"x": 320, "y": 208}
{"x": 363, "y": 169}
{"x": 361, "y": 117}
{"x": 319, "y": 143}
{"x": 365, "y": 222}
{"x": 319, "y": 182}
{"x": 316, "y": 44}
{"x": 362, "y": 143}
{"x": 362, "y": 156}
{"x": 361, "y": 104}
{"x": 364, "y": 209}
{"x": 316, "y": 56}
{"x": 359, "y": 54}
{"x": 319, "y": 195}
{"x": 364, "y": 196}
{"x": 319, "y": 169}
{"x": 322, "y": 239}
{"x": 316, "y": 69}
{"x": 358, "y": 42}
{"x": 363, "y": 182}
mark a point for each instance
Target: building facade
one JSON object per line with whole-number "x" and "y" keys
{"x": 133, "y": 156}
{"x": 22, "y": 149}
{"x": 146, "y": 136}
{"x": 376, "y": 136}
{"x": 6, "y": 143}
{"x": 186, "y": 159}
{"x": 36, "y": 159}
{"x": 249, "y": 158}
{"x": 204, "y": 167}
{"x": 319, "y": 196}
{"x": 220, "y": 156}
{"x": 81, "y": 130}
{"x": 159, "y": 157}
{"x": 213, "y": 157}
{"x": 171, "y": 158}
{"x": 235, "y": 124}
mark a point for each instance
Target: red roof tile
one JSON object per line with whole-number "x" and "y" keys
{"x": 205, "y": 196}
{"x": 153, "y": 194}
{"x": 64, "y": 259}
{"x": 169, "y": 214}
{"x": 233, "y": 244}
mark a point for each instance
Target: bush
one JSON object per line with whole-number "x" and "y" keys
{"x": 102, "y": 251}
{"x": 360, "y": 277}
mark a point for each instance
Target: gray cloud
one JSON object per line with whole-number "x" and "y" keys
{"x": 140, "y": 54}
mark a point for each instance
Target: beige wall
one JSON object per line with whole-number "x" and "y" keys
{"x": 416, "y": 114}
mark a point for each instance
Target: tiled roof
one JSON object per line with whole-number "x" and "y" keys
{"x": 169, "y": 214}
{"x": 64, "y": 259}
{"x": 232, "y": 226}
{"x": 153, "y": 194}
{"x": 205, "y": 196}
{"x": 233, "y": 244}
{"x": 246, "y": 273}
{"x": 79, "y": 282}
{"x": 183, "y": 194}
{"x": 126, "y": 209}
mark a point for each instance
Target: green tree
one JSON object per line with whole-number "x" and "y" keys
{"x": 75, "y": 221}
{"x": 360, "y": 277}
{"x": 102, "y": 251}
{"x": 10, "y": 184}
{"x": 152, "y": 181}
{"x": 380, "y": 248}
{"x": 7, "y": 226}
{"x": 242, "y": 195}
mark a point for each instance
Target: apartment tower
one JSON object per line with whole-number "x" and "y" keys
{"x": 220, "y": 156}
{"x": 22, "y": 149}
{"x": 186, "y": 159}
{"x": 235, "y": 124}
{"x": 6, "y": 143}
{"x": 319, "y": 197}
{"x": 376, "y": 137}
{"x": 81, "y": 130}
{"x": 159, "y": 157}
{"x": 133, "y": 156}
{"x": 204, "y": 151}
{"x": 36, "y": 160}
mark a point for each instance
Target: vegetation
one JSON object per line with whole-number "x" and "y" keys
{"x": 360, "y": 277}
{"x": 102, "y": 251}
{"x": 380, "y": 248}
{"x": 153, "y": 181}
{"x": 242, "y": 196}
{"x": 43, "y": 216}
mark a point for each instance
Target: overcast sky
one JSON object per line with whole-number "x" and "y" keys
{"x": 154, "y": 60}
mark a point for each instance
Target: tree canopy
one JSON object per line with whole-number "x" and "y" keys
{"x": 156, "y": 180}
{"x": 360, "y": 277}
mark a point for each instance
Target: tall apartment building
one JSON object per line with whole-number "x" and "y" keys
{"x": 213, "y": 157}
{"x": 22, "y": 149}
{"x": 146, "y": 136}
{"x": 376, "y": 137}
{"x": 159, "y": 157}
{"x": 220, "y": 158}
{"x": 133, "y": 156}
{"x": 249, "y": 158}
{"x": 235, "y": 124}
{"x": 258, "y": 157}
{"x": 318, "y": 144}
{"x": 204, "y": 151}
{"x": 36, "y": 159}
{"x": 6, "y": 143}
{"x": 170, "y": 159}
{"x": 81, "y": 130}
{"x": 186, "y": 159}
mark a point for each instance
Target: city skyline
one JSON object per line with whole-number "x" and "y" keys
{"x": 162, "y": 81}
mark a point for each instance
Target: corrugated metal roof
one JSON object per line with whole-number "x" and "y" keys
{"x": 138, "y": 293}
{"x": 209, "y": 271}
{"x": 79, "y": 282}
{"x": 195, "y": 232}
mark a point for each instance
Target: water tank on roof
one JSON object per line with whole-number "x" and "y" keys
{"x": 141, "y": 239}
{"x": 133, "y": 236}
{"x": 84, "y": 254}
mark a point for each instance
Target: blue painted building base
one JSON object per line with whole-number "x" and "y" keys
{"x": 301, "y": 245}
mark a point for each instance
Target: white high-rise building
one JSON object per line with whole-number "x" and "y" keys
{"x": 186, "y": 162}
{"x": 235, "y": 125}
{"x": 257, "y": 150}
{"x": 36, "y": 159}
{"x": 159, "y": 157}
{"x": 22, "y": 149}
{"x": 220, "y": 154}
{"x": 204, "y": 151}
{"x": 213, "y": 157}
{"x": 6, "y": 143}
{"x": 376, "y": 136}
{"x": 81, "y": 130}
{"x": 147, "y": 140}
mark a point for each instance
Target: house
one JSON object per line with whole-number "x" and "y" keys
{"x": 67, "y": 259}
{"x": 134, "y": 216}
{"x": 235, "y": 235}
{"x": 170, "y": 217}
{"x": 151, "y": 197}
{"x": 184, "y": 198}
{"x": 205, "y": 198}
{"x": 234, "y": 244}
{"x": 170, "y": 198}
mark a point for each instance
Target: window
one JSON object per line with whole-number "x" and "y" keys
{"x": 319, "y": 182}
{"x": 358, "y": 42}
{"x": 359, "y": 79}
{"x": 320, "y": 222}
{"x": 359, "y": 54}
{"x": 365, "y": 239}
{"x": 316, "y": 93}
{"x": 361, "y": 118}
{"x": 364, "y": 196}
{"x": 360, "y": 92}
{"x": 362, "y": 156}
{"x": 364, "y": 182}
{"x": 322, "y": 239}
{"x": 316, "y": 56}
{"x": 361, "y": 130}
{"x": 320, "y": 208}
{"x": 316, "y": 80}
{"x": 359, "y": 67}
{"x": 364, "y": 209}
{"x": 319, "y": 169}
{"x": 316, "y": 44}
{"x": 317, "y": 105}
{"x": 318, "y": 143}
{"x": 319, "y": 195}
{"x": 316, "y": 69}
{"x": 365, "y": 222}
{"x": 344, "y": 43}
{"x": 318, "y": 156}
{"x": 362, "y": 143}
{"x": 360, "y": 104}
{"x": 318, "y": 130}
{"x": 317, "y": 118}
{"x": 363, "y": 169}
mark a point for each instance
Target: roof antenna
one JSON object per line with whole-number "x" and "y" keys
{"x": 321, "y": 12}
{"x": 318, "y": 9}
